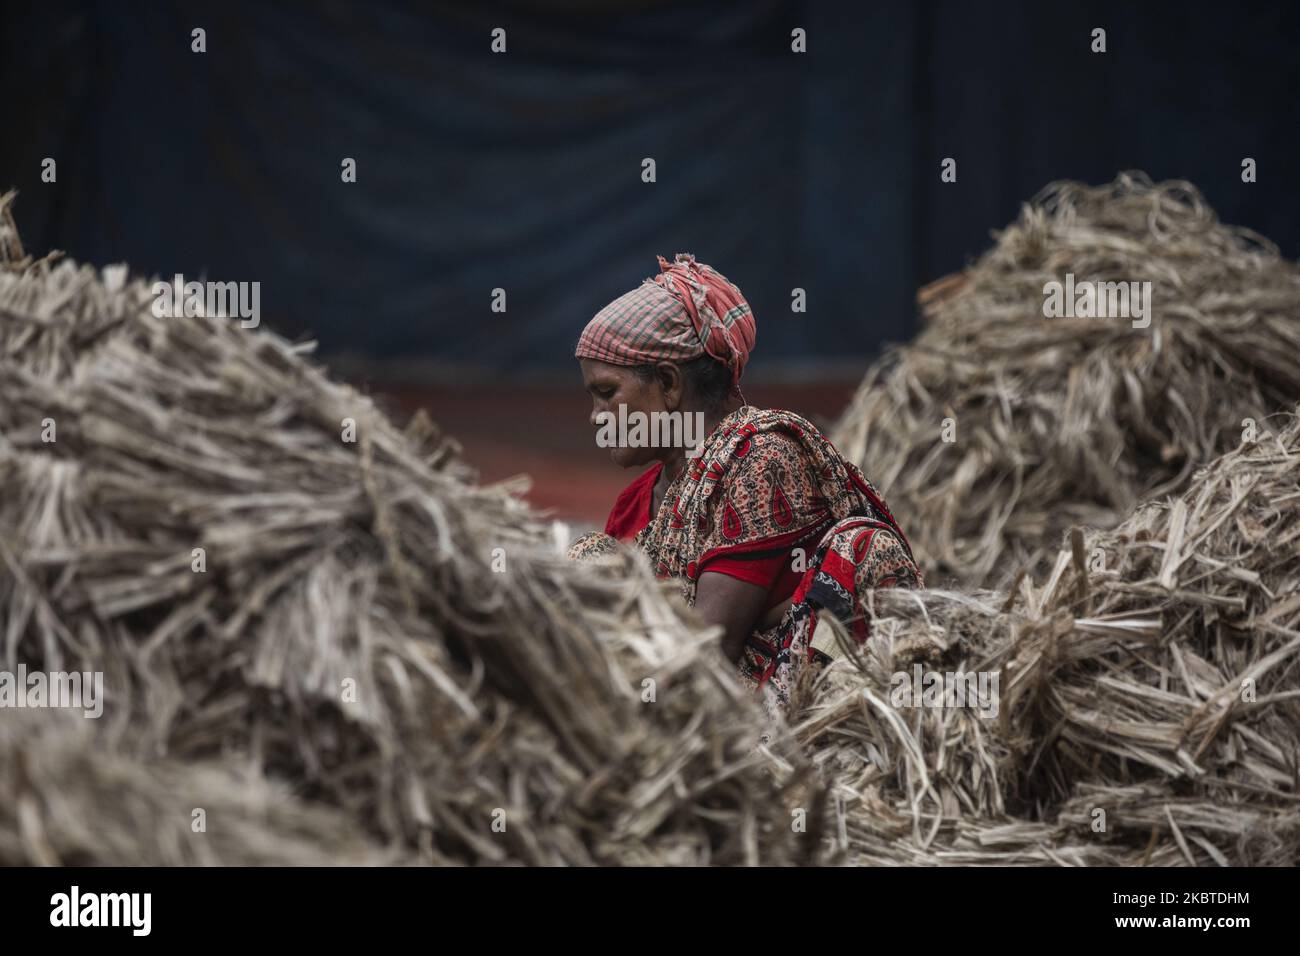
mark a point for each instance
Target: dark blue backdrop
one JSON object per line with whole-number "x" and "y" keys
{"x": 523, "y": 170}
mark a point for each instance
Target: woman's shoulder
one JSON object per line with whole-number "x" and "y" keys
{"x": 775, "y": 432}
{"x": 774, "y": 421}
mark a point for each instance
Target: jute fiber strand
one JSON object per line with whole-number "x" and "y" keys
{"x": 1062, "y": 421}
{"x": 1148, "y": 708}
{"x": 367, "y": 643}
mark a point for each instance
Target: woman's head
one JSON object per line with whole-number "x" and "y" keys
{"x": 700, "y": 385}
{"x": 678, "y": 342}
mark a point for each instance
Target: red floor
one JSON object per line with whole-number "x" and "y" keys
{"x": 544, "y": 432}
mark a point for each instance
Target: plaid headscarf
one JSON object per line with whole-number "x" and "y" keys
{"x": 686, "y": 311}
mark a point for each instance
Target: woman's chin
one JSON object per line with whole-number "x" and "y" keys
{"x": 629, "y": 457}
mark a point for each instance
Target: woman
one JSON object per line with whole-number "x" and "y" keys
{"x": 765, "y": 525}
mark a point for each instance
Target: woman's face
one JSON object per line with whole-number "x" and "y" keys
{"x": 613, "y": 385}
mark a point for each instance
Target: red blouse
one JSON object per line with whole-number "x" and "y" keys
{"x": 774, "y": 573}
{"x": 631, "y": 511}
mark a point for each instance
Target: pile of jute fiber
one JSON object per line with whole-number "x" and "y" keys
{"x": 1000, "y": 427}
{"x": 313, "y": 628}
{"x": 1146, "y": 704}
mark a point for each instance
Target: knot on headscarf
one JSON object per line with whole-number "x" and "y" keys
{"x": 688, "y": 310}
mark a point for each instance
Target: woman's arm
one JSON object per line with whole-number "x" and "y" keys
{"x": 736, "y": 605}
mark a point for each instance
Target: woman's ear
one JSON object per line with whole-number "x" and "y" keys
{"x": 671, "y": 383}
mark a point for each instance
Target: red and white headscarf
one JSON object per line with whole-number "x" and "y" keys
{"x": 686, "y": 311}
